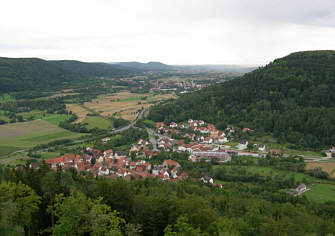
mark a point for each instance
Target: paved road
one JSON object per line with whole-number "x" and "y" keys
{"x": 9, "y": 157}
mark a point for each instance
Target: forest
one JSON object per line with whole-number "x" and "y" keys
{"x": 41, "y": 201}
{"x": 34, "y": 74}
{"x": 291, "y": 98}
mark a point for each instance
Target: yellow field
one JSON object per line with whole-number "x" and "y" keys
{"x": 79, "y": 111}
{"x": 328, "y": 167}
{"x": 124, "y": 104}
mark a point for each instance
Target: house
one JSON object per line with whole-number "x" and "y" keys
{"x": 243, "y": 145}
{"x": 222, "y": 139}
{"x": 330, "y": 152}
{"x": 276, "y": 153}
{"x": 204, "y": 130}
{"x": 105, "y": 140}
{"x": 298, "y": 190}
{"x": 208, "y": 140}
{"x": 171, "y": 163}
{"x": 173, "y": 125}
{"x": 103, "y": 171}
{"x": 207, "y": 180}
{"x": 120, "y": 154}
{"x": 108, "y": 153}
{"x": 159, "y": 125}
{"x": 261, "y": 147}
{"x": 201, "y": 122}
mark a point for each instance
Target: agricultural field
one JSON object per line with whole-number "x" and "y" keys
{"x": 23, "y": 135}
{"x": 97, "y": 122}
{"x": 79, "y": 111}
{"x": 328, "y": 167}
{"x": 321, "y": 192}
{"x": 55, "y": 119}
{"x": 125, "y": 104}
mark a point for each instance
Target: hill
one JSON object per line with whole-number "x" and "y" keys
{"x": 19, "y": 74}
{"x": 292, "y": 98}
{"x": 95, "y": 69}
{"x": 150, "y": 66}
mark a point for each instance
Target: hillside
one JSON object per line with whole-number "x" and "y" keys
{"x": 95, "y": 69}
{"x": 150, "y": 66}
{"x": 19, "y": 74}
{"x": 292, "y": 98}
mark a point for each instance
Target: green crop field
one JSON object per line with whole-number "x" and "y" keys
{"x": 321, "y": 192}
{"x": 97, "y": 122}
{"x": 51, "y": 118}
{"x": 48, "y": 155}
{"x": 23, "y": 135}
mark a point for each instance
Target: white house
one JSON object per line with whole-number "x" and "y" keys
{"x": 243, "y": 145}
{"x": 261, "y": 147}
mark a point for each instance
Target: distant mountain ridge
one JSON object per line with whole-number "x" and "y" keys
{"x": 150, "y": 66}
{"x": 292, "y": 97}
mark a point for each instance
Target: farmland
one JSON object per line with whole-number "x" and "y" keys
{"x": 328, "y": 167}
{"x": 79, "y": 111}
{"x": 18, "y": 136}
{"x": 124, "y": 104}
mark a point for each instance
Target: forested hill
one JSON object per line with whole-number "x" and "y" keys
{"x": 96, "y": 69}
{"x": 292, "y": 97}
{"x": 18, "y": 74}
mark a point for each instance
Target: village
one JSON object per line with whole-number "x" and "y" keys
{"x": 200, "y": 140}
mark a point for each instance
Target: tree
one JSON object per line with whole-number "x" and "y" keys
{"x": 181, "y": 228}
{"x": 79, "y": 215}
{"x": 18, "y": 203}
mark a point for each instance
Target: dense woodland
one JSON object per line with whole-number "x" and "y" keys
{"x": 22, "y": 74}
{"x": 292, "y": 98}
{"x": 43, "y": 202}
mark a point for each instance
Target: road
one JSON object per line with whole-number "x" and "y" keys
{"x": 9, "y": 157}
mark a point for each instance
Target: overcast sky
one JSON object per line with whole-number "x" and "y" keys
{"x": 250, "y": 32}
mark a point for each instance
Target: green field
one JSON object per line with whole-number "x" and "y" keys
{"x": 48, "y": 155}
{"x": 51, "y": 118}
{"x": 97, "y": 122}
{"x": 321, "y": 192}
{"x": 268, "y": 171}
{"x": 23, "y": 135}
{"x": 3, "y": 117}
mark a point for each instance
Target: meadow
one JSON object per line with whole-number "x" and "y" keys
{"x": 97, "y": 122}
{"x": 24, "y": 135}
{"x": 319, "y": 190}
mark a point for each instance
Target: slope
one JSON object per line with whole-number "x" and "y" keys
{"x": 292, "y": 98}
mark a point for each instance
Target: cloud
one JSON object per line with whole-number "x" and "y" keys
{"x": 172, "y": 31}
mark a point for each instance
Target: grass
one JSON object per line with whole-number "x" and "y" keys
{"x": 97, "y": 122}
{"x": 268, "y": 171}
{"x": 8, "y": 149}
{"x": 48, "y": 155}
{"x": 6, "y": 98}
{"x": 321, "y": 192}
{"x": 24, "y": 135}
{"x": 3, "y": 117}
{"x": 55, "y": 119}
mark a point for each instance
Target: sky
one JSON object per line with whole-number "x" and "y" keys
{"x": 249, "y": 32}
